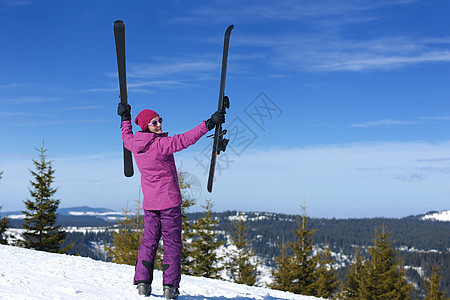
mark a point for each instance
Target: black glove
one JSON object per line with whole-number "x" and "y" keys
{"x": 217, "y": 118}
{"x": 124, "y": 111}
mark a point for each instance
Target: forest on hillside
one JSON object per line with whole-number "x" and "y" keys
{"x": 420, "y": 244}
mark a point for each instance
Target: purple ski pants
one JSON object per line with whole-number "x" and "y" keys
{"x": 166, "y": 224}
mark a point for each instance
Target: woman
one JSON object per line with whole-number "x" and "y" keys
{"x": 153, "y": 151}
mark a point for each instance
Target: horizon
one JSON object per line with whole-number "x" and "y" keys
{"x": 344, "y": 104}
{"x": 428, "y": 213}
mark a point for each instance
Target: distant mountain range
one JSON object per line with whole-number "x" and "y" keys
{"x": 81, "y": 211}
{"x": 110, "y": 215}
{"x": 82, "y": 216}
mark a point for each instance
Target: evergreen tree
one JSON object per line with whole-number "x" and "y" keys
{"x": 240, "y": 266}
{"x": 327, "y": 283}
{"x": 204, "y": 260}
{"x": 281, "y": 275}
{"x": 187, "y": 203}
{"x": 350, "y": 289}
{"x": 127, "y": 240}
{"x": 41, "y": 233}
{"x": 433, "y": 285}
{"x": 4, "y": 223}
{"x": 383, "y": 277}
{"x": 303, "y": 274}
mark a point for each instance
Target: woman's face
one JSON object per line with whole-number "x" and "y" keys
{"x": 155, "y": 125}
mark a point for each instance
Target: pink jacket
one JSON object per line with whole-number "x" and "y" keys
{"x": 154, "y": 158}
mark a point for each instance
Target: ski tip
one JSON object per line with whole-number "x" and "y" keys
{"x": 209, "y": 186}
{"x": 230, "y": 28}
{"x": 119, "y": 25}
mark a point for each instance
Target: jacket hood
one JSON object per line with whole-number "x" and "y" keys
{"x": 143, "y": 140}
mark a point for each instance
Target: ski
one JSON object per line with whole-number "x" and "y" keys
{"x": 220, "y": 143}
{"x": 119, "y": 37}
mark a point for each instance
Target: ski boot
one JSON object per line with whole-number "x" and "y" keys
{"x": 144, "y": 288}
{"x": 170, "y": 292}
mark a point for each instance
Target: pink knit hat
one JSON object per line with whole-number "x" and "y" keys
{"x": 144, "y": 117}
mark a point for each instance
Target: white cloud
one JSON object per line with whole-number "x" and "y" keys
{"x": 374, "y": 61}
{"x": 16, "y": 2}
{"x": 384, "y": 122}
{"x": 323, "y": 52}
{"x": 285, "y": 10}
{"x": 165, "y": 67}
{"x": 436, "y": 118}
{"x": 393, "y": 122}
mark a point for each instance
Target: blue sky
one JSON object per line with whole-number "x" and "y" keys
{"x": 342, "y": 103}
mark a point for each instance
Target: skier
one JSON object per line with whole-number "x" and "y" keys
{"x": 153, "y": 151}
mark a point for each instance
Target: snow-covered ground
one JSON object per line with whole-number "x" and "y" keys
{"x": 29, "y": 274}
{"x": 439, "y": 216}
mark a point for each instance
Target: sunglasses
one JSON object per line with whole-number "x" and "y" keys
{"x": 154, "y": 123}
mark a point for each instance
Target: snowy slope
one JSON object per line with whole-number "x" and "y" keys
{"x": 28, "y": 274}
{"x": 438, "y": 216}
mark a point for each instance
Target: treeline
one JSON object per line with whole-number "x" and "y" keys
{"x": 421, "y": 244}
{"x": 343, "y": 233}
{"x": 70, "y": 221}
{"x": 302, "y": 265}
{"x": 266, "y": 232}
{"x": 88, "y": 244}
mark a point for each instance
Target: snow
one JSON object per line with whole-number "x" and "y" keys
{"x": 439, "y": 216}
{"x": 93, "y": 213}
{"x": 18, "y": 217}
{"x": 29, "y": 274}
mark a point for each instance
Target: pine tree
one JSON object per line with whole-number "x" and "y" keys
{"x": 187, "y": 203}
{"x": 384, "y": 277}
{"x": 303, "y": 275}
{"x": 127, "y": 240}
{"x": 302, "y": 272}
{"x": 281, "y": 275}
{"x": 4, "y": 223}
{"x": 327, "y": 283}
{"x": 41, "y": 233}
{"x": 350, "y": 289}
{"x": 433, "y": 285}
{"x": 204, "y": 260}
{"x": 240, "y": 266}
